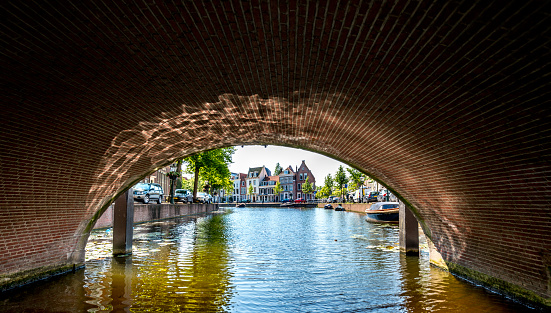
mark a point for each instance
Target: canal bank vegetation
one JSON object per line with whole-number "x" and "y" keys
{"x": 210, "y": 170}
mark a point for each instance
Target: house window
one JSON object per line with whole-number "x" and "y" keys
{"x": 286, "y": 172}
{"x": 298, "y": 186}
{"x": 300, "y": 176}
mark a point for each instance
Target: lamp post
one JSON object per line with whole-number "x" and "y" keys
{"x": 173, "y": 175}
{"x": 362, "y": 189}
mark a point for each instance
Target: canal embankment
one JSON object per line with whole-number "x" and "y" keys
{"x": 353, "y": 207}
{"x": 154, "y": 212}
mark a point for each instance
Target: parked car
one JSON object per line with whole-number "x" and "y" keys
{"x": 333, "y": 199}
{"x": 245, "y": 201}
{"x": 372, "y": 196}
{"x": 145, "y": 192}
{"x": 286, "y": 200}
{"x": 383, "y": 196}
{"x": 300, "y": 200}
{"x": 183, "y": 195}
{"x": 204, "y": 197}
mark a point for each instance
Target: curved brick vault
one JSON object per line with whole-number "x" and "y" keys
{"x": 443, "y": 102}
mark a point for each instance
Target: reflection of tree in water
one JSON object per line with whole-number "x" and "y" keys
{"x": 189, "y": 273}
{"x": 211, "y": 265}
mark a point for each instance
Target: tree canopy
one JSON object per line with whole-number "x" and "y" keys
{"x": 341, "y": 179}
{"x": 356, "y": 178}
{"x": 210, "y": 166}
{"x": 323, "y": 192}
{"x": 307, "y": 187}
{"x": 277, "y": 169}
{"x": 278, "y": 189}
{"x": 329, "y": 184}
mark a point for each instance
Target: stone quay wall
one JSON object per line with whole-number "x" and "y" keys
{"x": 154, "y": 212}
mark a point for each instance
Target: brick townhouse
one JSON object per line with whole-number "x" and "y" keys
{"x": 263, "y": 184}
{"x": 303, "y": 173}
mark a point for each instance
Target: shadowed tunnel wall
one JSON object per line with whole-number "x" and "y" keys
{"x": 443, "y": 102}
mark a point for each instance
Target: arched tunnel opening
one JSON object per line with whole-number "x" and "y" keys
{"x": 453, "y": 95}
{"x": 123, "y": 267}
{"x": 160, "y": 231}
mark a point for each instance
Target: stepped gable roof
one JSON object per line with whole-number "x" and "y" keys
{"x": 242, "y": 175}
{"x": 303, "y": 166}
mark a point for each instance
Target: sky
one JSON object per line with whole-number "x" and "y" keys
{"x": 256, "y": 156}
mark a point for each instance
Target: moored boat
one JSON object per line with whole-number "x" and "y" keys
{"x": 383, "y": 212}
{"x": 339, "y": 208}
{"x": 328, "y": 206}
{"x": 287, "y": 204}
{"x": 240, "y": 205}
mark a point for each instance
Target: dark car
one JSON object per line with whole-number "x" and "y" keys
{"x": 245, "y": 201}
{"x": 286, "y": 200}
{"x": 183, "y": 195}
{"x": 203, "y": 197}
{"x": 372, "y": 197}
{"x": 333, "y": 199}
{"x": 145, "y": 192}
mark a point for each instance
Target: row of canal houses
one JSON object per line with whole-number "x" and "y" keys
{"x": 263, "y": 183}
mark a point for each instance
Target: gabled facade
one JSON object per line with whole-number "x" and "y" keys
{"x": 303, "y": 173}
{"x": 254, "y": 176}
{"x": 242, "y": 186}
{"x": 287, "y": 181}
{"x": 235, "y": 178}
{"x": 266, "y": 189}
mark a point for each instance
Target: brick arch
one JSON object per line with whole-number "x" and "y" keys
{"x": 445, "y": 103}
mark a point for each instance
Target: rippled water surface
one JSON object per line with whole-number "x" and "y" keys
{"x": 257, "y": 260}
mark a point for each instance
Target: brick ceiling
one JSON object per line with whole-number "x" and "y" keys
{"x": 443, "y": 101}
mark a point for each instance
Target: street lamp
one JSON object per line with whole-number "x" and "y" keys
{"x": 362, "y": 189}
{"x": 173, "y": 175}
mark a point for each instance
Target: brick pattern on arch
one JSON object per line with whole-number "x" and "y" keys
{"x": 445, "y": 103}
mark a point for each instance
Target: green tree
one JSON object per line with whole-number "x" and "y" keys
{"x": 323, "y": 192}
{"x": 278, "y": 169}
{"x": 307, "y": 187}
{"x": 251, "y": 191}
{"x": 278, "y": 189}
{"x": 210, "y": 166}
{"x": 356, "y": 178}
{"x": 329, "y": 183}
{"x": 341, "y": 180}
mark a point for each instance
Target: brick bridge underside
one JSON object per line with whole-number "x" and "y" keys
{"x": 443, "y": 102}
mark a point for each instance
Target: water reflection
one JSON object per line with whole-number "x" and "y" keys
{"x": 269, "y": 260}
{"x": 121, "y": 283}
{"x": 173, "y": 268}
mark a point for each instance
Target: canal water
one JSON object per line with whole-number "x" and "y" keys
{"x": 257, "y": 260}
